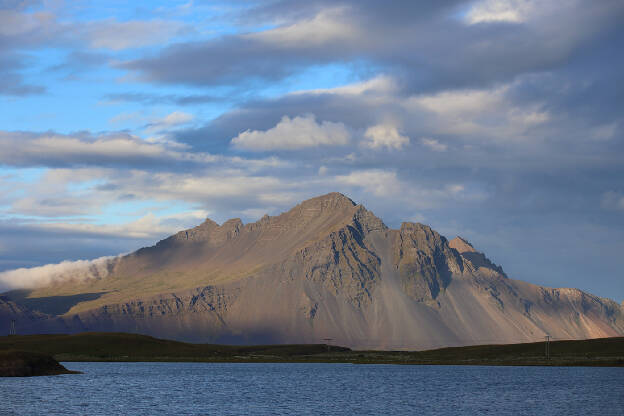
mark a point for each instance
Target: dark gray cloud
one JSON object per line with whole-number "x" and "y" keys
{"x": 176, "y": 99}
{"x": 433, "y": 49}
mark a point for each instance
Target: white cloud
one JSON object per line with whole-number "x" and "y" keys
{"x": 381, "y": 84}
{"x": 330, "y": 25}
{"x": 147, "y": 226}
{"x": 296, "y": 133}
{"x": 379, "y": 182}
{"x": 433, "y": 144}
{"x": 51, "y": 148}
{"x": 486, "y": 113}
{"x": 514, "y": 11}
{"x": 115, "y": 35}
{"x": 28, "y": 278}
{"x": 385, "y": 135}
{"x": 386, "y": 185}
{"x": 177, "y": 118}
{"x": 77, "y": 193}
{"x": 198, "y": 187}
{"x": 459, "y": 103}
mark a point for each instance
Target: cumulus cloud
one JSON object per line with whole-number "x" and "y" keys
{"x": 177, "y": 118}
{"x": 487, "y": 113}
{"x": 297, "y": 133}
{"x": 380, "y": 182}
{"x": 80, "y": 270}
{"x": 433, "y": 144}
{"x": 385, "y": 135}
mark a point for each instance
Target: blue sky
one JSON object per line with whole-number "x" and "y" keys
{"x": 497, "y": 120}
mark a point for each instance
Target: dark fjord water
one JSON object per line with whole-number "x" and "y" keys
{"x": 315, "y": 389}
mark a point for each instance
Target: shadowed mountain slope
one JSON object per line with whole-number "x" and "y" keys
{"x": 328, "y": 268}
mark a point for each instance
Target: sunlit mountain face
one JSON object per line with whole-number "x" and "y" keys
{"x": 327, "y": 268}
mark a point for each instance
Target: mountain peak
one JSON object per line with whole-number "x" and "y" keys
{"x": 232, "y": 223}
{"x": 462, "y": 245}
{"x": 332, "y": 200}
{"x": 208, "y": 223}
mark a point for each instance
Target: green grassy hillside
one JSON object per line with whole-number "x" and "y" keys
{"x": 132, "y": 347}
{"x": 104, "y": 346}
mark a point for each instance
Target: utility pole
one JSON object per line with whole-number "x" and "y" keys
{"x": 327, "y": 341}
{"x": 12, "y": 327}
{"x": 547, "y": 347}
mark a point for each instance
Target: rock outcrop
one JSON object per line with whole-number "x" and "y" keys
{"x": 328, "y": 268}
{"x": 29, "y": 364}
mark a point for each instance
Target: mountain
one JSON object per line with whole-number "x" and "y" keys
{"x": 326, "y": 269}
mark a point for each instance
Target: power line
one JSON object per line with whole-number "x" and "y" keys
{"x": 327, "y": 341}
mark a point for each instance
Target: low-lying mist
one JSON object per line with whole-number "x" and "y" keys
{"x": 79, "y": 270}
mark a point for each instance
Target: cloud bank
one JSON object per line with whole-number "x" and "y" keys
{"x": 34, "y": 277}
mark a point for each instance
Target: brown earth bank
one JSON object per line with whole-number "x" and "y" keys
{"x": 15, "y": 363}
{"x": 326, "y": 269}
{"x": 121, "y": 347}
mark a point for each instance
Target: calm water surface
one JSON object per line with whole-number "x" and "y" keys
{"x": 315, "y": 389}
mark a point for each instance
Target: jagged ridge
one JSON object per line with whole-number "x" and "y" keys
{"x": 326, "y": 268}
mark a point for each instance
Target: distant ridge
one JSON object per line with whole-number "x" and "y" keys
{"x": 327, "y": 268}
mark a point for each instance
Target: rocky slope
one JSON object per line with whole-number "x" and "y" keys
{"x": 328, "y": 268}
